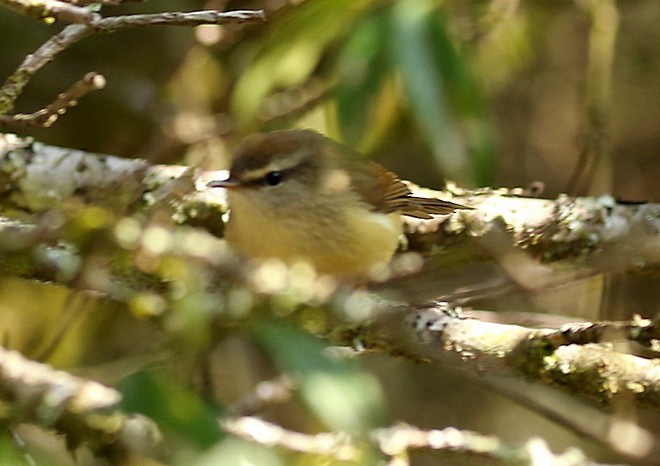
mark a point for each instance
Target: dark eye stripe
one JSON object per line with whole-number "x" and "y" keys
{"x": 277, "y": 177}
{"x": 272, "y": 178}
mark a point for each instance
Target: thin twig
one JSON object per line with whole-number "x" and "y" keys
{"x": 267, "y": 393}
{"x": 14, "y": 85}
{"x": 101, "y": 2}
{"x": 192, "y": 18}
{"x": 293, "y": 102}
{"x": 336, "y": 445}
{"x": 49, "y": 11}
{"x": 67, "y": 99}
{"x": 397, "y": 441}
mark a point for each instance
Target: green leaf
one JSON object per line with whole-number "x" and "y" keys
{"x": 361, "y": 67}
{"x": 292, "y": 50}
{"x": 336, "y": 390}
{"x": 415, "y": 57}
{"x": 173, "y": 407}
{"x": 466, "y": 99}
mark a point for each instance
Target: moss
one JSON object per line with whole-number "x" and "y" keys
{"x": 584, "y": 375}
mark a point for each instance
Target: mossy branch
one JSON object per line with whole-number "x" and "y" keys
{"x": 83, "y": 410}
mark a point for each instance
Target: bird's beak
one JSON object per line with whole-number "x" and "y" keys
{"x": 227, "y": 184}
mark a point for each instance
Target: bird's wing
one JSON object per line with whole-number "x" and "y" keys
{"x": 387, "y": 193}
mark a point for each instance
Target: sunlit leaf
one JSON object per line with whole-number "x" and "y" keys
{"x": 507, "y": 47}
{"x": 292, "y": 50}
{"x": 235, "y": 451}
{"x": 336, "y": 390}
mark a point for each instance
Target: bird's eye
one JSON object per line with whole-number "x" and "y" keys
{"x": 273, "y": 178}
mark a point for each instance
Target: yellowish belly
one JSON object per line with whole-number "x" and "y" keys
{"x": 350, "y": 244}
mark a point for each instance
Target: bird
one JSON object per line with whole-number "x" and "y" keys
{"x": 299, "y": 196}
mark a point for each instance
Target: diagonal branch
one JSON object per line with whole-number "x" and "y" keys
{"x": 83, "y": 410}
{"x": 14, "y": 85}
{"x": 398, "y": 441}
{"x": 571, "y": 358}
{"x": 335, "y": 445}
{"x": 50, "y": 10}
{"x": 440, "y": 334}
{"x": 49, "y": 115}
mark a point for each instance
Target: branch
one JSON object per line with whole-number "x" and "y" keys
{"x": 101, "y": 2}
{"x": 44, "y": 177}
{"x": 13, "y": 86}
{"x": 398, "y": 441}
{"x": 338, "y": 446}
{"x": 602, "y": 234}
{"x": 441, "y": 334}
{"x": 515, "y": 244}
{"x": 571, "y": 358}
{"x": 37, "y": 178}
{"x": 47, "y": 116}
{"x": 83, "y": 410}
{"x": 192, "y": 18}
{"x": 645, "y": 332}
{"x": 552, "y": 230}
{"x": 265, "y": 394}
{"x": 50, "y": 10}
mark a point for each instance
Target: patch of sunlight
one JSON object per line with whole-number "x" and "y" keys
{"x": 240, "y": 453}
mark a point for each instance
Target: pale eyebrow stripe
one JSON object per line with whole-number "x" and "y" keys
{"x": 278, "y": 165}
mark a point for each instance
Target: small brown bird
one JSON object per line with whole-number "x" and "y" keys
{"x": 299, "y": 196}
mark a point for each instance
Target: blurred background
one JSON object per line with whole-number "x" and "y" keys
{"x": 482, "y": 93}
{"x": 500, "y": 93}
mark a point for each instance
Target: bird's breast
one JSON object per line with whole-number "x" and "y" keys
{"x": 345, "y": 242}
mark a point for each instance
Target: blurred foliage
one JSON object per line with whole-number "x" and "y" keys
{"x": 345, "y": 398}
{"x": 177, "y": 410}
{"x": 376, "y": 62}
{"x": 478, "y": 92}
